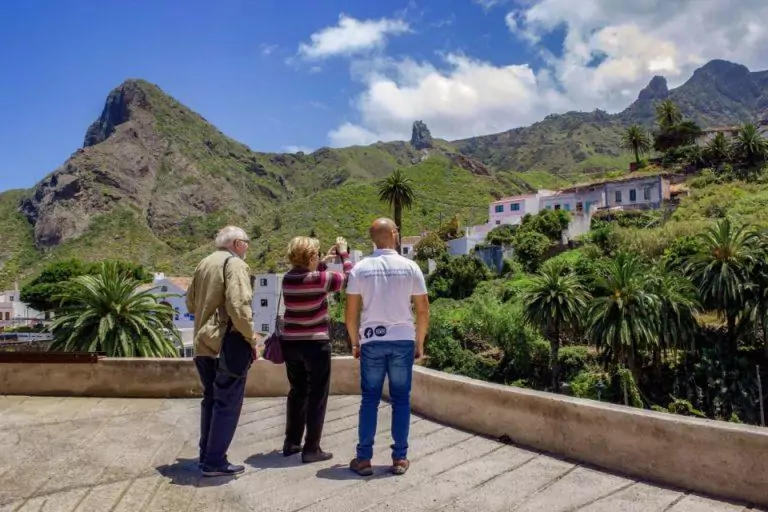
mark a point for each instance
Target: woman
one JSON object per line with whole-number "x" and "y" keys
{"x": 306, "y": 343}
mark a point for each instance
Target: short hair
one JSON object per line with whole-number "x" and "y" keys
{"x": 301, "y": 249}
{"x": 227, "y": 236}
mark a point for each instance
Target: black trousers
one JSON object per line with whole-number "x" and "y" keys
{"x": 223, "y": 391}
{"x": 308, "y": 364}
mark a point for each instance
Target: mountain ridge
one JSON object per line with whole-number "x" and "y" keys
{"x": 154, "y": 179}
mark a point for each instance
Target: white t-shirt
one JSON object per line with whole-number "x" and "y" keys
{"x": 386, "y": 281}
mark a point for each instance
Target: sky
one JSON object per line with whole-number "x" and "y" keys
{"x": 290, "y": 75}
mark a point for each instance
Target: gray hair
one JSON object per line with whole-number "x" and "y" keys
{"x": 227, "y": 236}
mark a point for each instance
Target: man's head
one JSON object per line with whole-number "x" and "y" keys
{"x": 233, "y": 238}
{"x": 384, "y": 233}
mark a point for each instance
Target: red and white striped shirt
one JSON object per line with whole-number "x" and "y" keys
{"x": 305, "y": 295}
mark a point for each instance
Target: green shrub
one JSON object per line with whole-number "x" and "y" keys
{"x": 593, "y": 382}
{"x": 573, "y": 360}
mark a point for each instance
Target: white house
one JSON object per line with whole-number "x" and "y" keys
{"x": 177, "y": 286}
{"x": 266, "y": 292}
{"x": 13, "y": 312}
{"x": 511, "y": 210}
{"x": 408, "y": 246}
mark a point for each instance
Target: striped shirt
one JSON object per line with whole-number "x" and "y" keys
{"x": 305, "y": 295}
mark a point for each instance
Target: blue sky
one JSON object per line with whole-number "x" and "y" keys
{"x": 365, "y": 71}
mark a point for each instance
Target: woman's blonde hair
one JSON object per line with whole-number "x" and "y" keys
{"x": 301, "y": 249}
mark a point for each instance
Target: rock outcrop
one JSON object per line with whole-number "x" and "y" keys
{"x": 420, "y": 136}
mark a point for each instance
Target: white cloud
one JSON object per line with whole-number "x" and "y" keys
{"x": 611, "y": 50}
{"x": 296, "y": 149}
{"x": 489, "y": 4}
{"x": 351, "y": 36}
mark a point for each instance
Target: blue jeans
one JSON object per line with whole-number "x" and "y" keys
{"x": 393, "y": 359}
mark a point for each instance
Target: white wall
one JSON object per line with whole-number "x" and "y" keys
{"x": 639, "y": 186}
{"x": 266, "y": 293}
{"x": 181, "y": 318}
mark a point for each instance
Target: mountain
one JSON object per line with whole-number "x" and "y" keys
{"x": 154, "y": 181}
{"x": 720, "y": 93}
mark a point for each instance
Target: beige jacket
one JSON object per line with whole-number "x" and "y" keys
{"x": 212, "y": 310}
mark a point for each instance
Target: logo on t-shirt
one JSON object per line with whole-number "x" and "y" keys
{"x": 380, "y": 331}
{"x": 368, "y": 332}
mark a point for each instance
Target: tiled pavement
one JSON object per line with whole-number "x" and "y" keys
{"x": 89, "y": 454}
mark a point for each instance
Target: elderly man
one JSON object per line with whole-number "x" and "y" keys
{"x": 380, "y": 323}
{"x": 220, "y": 296}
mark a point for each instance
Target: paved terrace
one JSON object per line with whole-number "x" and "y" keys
{"x": 129, "y": 455}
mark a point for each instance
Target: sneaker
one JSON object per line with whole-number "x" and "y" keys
{"x": 291, "y": 449}
{"x": 225, "y": 470}
{"x": 317, "y": 456}
{"x": 400, "y": 466}
{"x": 361, "y": 467}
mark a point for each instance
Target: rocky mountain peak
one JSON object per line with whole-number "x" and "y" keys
{"x": 719, "y": 70}
{"x": 420, "y": 136}
{"x": 117, "y": 110}
{"x": 656, "y": 89}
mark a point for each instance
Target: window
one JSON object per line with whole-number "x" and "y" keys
{"x": 499, "y": 208}
{"x": 263, "y": 282}
{"x": 618, "y": 196}
{"x": 7, "y": 315}
{"x": 557, "y": 206}
{"x": 163, "y": 289}
{"x": 514, "y": 207}
{"x": 405, "y": 250}
{"x": 498, "y": 222}
{"x": 632, "y": 196}
{"x": 579, "y": 207}
{"x": 647, "y": 193}
{"x": 548, "y": 207}
{"x": 567, "y": 207}
{"x": 264, "y": 327}
{"x": 264, "y": 303}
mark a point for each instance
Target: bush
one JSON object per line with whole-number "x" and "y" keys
{"x": 530, "y": 248}
{"x": 457, "y": 278}
{"x": 573, "y": 360}
{"x": 593, "y": 383}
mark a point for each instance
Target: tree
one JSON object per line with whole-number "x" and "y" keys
{"x": 430, "y": 247}
{"x": 720, "y": 270}
{"x": 554, "y": 302}
{"x": 550, "y": 223}
{"x": 636, "y": 139}
{"x": 749, "y": 146}
{"x": 42, "y": 291}
{"x": 718, "y": 150}
{"x": 667, "y": 114}
{"x": 451, "y": 230}
{"x": 624, "y": 319}
{"x": 530, "y": 247}
{"x": 501, "y": 235}
{"x": 397, "y": 190}
{"x": 105, "y": 312}
{"x": 678, "y": 306}
{"x": 674, "y": 136}
{"x": 457, "y": 278}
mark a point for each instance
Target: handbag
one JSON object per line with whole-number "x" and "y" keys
{"x": 273, "y": 346}
{"x": 236, "y": 355}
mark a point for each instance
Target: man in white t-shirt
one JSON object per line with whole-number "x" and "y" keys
{"x": 380, "y": 323}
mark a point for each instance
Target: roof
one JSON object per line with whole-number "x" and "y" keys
{"x": 410, "y": 240}
{"x": 514, "y": 198}
{"x": 127, "y": 455}
{"x": 622, "y": 179}
{"x": 182, "y": 282}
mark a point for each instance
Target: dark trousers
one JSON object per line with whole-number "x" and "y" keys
{"x": 222, "y": 402}
{"x": 308, "y": 364}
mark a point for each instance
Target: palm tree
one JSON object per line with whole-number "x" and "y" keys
{"x": 750, "y": 146}
{"x": 667, "y": 114}
{"x": 554, "y": 302}
{"x": 678, "y": 306}
{"x": 625, "y": 318}
{"x": 396, "y": 189}
{"x": 636, "y": 139}
{"x": 718, "y": 149}
{"x": 721, "y": 270}
{"x": 106, "y": 312}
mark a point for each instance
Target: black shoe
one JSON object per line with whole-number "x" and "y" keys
{"x": 316, "y": 456}
{"x": 291, "y": 449}
{"x": 225, "y": 470}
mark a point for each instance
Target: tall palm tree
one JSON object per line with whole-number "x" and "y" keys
{"x": 668, "y": 114}
{"x": 554, "y": 302}
{"x": 636, "y": 139}
{"x": 678, "y": 306}
{"x": 397, "y": 190}
{"x": 718, "y": 149}
{"x": 106, "y": 312}
{"x": 624, "y": 319}
{"x": 721, "y": 270}
{"x": 750, "y": 146}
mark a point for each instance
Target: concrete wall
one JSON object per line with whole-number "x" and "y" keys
{"x": 711, "y": 457}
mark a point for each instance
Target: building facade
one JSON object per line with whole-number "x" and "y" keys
{"x": 176, "y": 287}
{"x": 511, "y": 210}
{"x": 14, "y": 313}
